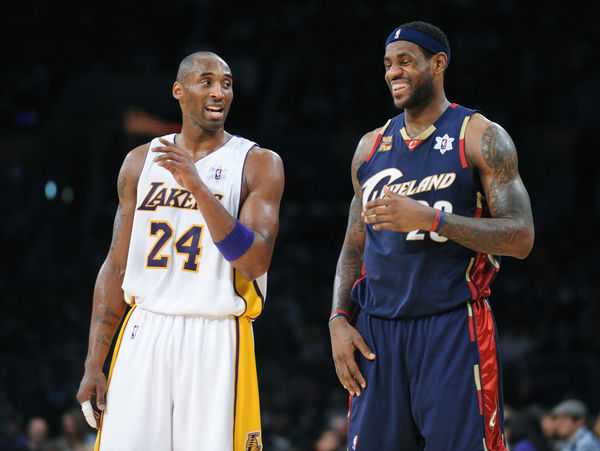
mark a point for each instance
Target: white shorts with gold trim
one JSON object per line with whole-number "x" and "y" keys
{"x": 182, "y": 383}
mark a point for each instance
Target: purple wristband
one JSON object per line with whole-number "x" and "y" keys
{"x": 237, "y": 243}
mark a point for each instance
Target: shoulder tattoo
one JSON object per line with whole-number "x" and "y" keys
{"x": 499, "y": 153}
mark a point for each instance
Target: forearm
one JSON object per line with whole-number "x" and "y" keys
{"x": 257, "y": 258}
{"x": 496, "y": 236}
{"x": 348, "y": 271}
{"x": 107, "y": 312}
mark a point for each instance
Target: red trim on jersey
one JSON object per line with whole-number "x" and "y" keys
{"x": 480, "y": 400}
{"x": 453, "y": 105}
{"x": 488, "y": 373}
{"x": 481, "y": 275}
{"x": 412, "y": 144}
{"x": 349, "y": 412}
{"x": 374, "y": 149}
{"x": 461, "y": 152}
{"x": 482, "y": 270}
{"x": 363, "y": 273}
{"x": 471, "y": 328}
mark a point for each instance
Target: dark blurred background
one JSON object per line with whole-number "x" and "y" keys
{"x": 83, "y": 85}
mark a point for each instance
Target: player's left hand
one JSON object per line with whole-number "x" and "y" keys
{"x": 178, "y": 162}
{"x": 398, "y": 213}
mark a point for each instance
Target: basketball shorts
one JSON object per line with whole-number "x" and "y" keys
{"x": 435, "y": 384}
{"x": 182, "y": 383}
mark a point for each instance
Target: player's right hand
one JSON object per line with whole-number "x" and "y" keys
{"x": 93, "y": 386}
{"x": 345, "y": 339}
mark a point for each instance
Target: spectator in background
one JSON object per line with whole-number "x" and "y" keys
{"x": 570, "y": 418}
{"x": 596, "y": 427}
{"x": 333, "y": 438}
{"x": 76, "y": 434}
{"x": 329, "y": 440}
{"x": 37, "y": 434}
{"x": 524, "y": 433}
{"x": 548, "y": 425}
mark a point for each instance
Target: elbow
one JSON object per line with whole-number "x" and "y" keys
{"x": 253, "y": 272}
{"x": 524, "y": 243}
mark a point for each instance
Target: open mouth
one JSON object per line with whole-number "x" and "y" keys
{"x": 399, "y": 86}
{"x": 214, "y": 112}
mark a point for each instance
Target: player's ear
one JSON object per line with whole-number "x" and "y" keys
{"x": 177, "y": 90}
{"x": 439, "y": 63}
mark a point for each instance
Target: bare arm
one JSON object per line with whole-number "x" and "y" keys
{"x": 260, "y": 211}
{"x": 350, "y": 261}
{"x": 263, "y": 188}
{"x": 509, "y": 231}
{"x": 108, "y": 304}
{"x": 345, "y": 339}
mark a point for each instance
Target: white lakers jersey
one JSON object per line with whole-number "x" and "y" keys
{"x": 173, "y": 266}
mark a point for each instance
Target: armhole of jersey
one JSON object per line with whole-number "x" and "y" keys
{"x": 142, "y": 169}
{"x": 239, "y": 209}
{"x": 378, "y": 140}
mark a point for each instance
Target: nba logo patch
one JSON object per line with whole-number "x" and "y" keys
{"x": 443, "y": 144}
{"x": 354, "y": 442}
{"x": 134, "y": 331}
{"x": 218, "y": 173}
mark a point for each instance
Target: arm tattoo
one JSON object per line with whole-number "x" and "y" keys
{"x": 109, "y": 312}
{"x": 105, "y": 339}
{"x": 351, "y": 258}
{"x": 500, "y": 155}
{"x": 119, "y": 216}
{"x": 116, "y": 228}
{"x": 506, "y": 197}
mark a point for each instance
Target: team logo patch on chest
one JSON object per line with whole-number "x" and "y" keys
{"x": 386, "y": 144}
{"x": 443, "y": 143}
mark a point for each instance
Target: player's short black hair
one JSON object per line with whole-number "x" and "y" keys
{"x": 430, "y": 30}
{"x": 187, "y": 64}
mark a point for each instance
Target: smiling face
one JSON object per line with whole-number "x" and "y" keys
{"x": 408, "y": 74}
{"x": 205, "y": 92}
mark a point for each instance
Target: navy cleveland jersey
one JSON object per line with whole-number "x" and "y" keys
{"x": 421, "y": 272}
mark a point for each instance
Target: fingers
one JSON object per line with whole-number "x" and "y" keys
{"x": 350, "y": 376}
{"x": 347, "y": 369}
{"x": 385, "y": 226}
{"x": 364, "y": 348}
{"x": 169, "y": 144}
{"x": 170, "y": 156}
{"x": 169, "y": 148}
{"x": 389, "y": 193}
{"x": 381, "y": 215}
{"x": 101, "y": 396}
{"x": 383, "y": 202}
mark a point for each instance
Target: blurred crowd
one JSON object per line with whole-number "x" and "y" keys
{"x": 85, "y": 85}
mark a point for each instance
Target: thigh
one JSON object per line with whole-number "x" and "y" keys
{"x": 381, "y": 417}
{"x": 454, "y": 384}
{"x": 138, "y": 396}
{"x": 204, "y": 384}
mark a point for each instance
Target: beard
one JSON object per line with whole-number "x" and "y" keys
{"x": 420, "y": 97}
